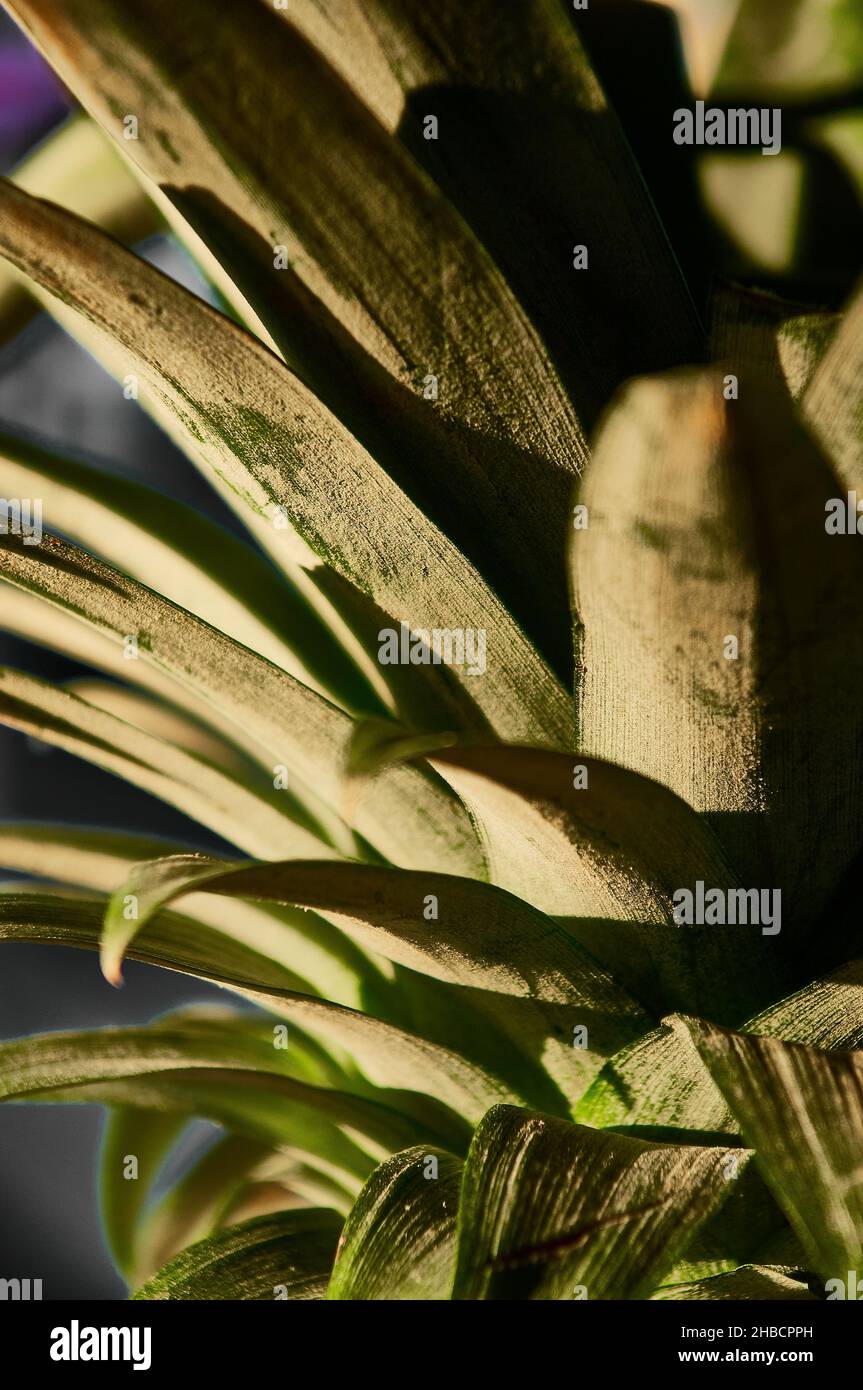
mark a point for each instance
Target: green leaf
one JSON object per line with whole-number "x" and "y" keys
{"x": 385, "y": 286}
{"x": 548, "y": 1209}
{"x": 389, "y": 1056}
{"x": 801, "y": 342}
{"x": 808, "y": 50}
{"x": 761, "y": 1283}
{"x": 280, "y": 456}
{"x": 147, "y": 1137}
{"x": 513, "y": 100}
{"x": 176, "y": 551}
{"x": 657, "y": 1085}
{"x": 758, "y": 330}
{"x": 318, "y": 957}
{"x": 252, "y": 817}
{"x": 408, "y": 814}
{"x": 454, "y": 929}
{"x": 286, "y": 1255}
{"x": 802, "y": 1111}
{"x": 826, "y": 1014}
{"x": 658, "y": 1081}
{"x": 604, "y": 849}
{"x": 707, "y": 522}
{"x": 77, "y": 167}
{"x": 194, "y": 1207}
{"x": 399, "y": 1239}
{"x": 71, "y": 1066}
{"x": 578, "y": 837}
{"x": 749, "y": 1226}
{"x": 478, "y": 937}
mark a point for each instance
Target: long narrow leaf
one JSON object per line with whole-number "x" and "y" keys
{"x": 302, "y": 731}
{"x": 263, "y": 437}
{"x": 287, "y": 1255}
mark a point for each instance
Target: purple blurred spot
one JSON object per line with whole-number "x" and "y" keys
{"x": 31, "y": 98}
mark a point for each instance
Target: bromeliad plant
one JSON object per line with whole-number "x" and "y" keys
{"x": 490, "y": 1058}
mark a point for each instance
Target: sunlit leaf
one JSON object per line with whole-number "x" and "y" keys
{"x": 802, "y": 1111}
{"x": 759, "y": 1282}
{"x": 176, "y": 551}
{"x": 551, "y": 1210}
{"x": 719, "y": 653}
{"x": 250, "y": 816}
{"x": 833, "y": 402}
{"x": 513, "y": 100}
{"x": 287, "y": 1255}
{"x": 302, "y": 731}
{"x": 388, "y": 1055}
{"x": 318, "y": 956}
{"x": 604, "y": 850}
{"x": 385, "y": 284}
{"x": 77, "y": 167}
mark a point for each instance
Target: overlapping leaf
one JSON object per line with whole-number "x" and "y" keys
{"x": 388, "y": 1055}
{"x": 385, "y": 284}
{"x": 604, "y": 850}
{"x": 802, "y": 1111}
{"x": 146, "y": 1137}
{"x": 300, "y": 729}
{"x": 719, "y": 653}
{"x": 399, "y": 1239}
{"x": 176, "y": 551}
{"x": 513, "y": 100}
{"x": 551, "y": 1210}
{"x": 287, "y": 1255}
{"x": 658, "y": 1081}
{"x": 318, "y": 957}
{"x": 453, "y": 929}
{"x": 76, "y": 166}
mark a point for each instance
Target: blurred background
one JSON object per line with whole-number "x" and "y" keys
{"x": 789, "y": 226}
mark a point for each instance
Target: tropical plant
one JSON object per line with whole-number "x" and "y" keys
{"x": 487, "y": 1057}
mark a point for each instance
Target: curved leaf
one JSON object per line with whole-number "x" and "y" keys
{"x": 389, "y": 1056}
{"x": 247, "y": 815}
{"x": 551, "y": 1210}
{"x": 758, "y": 1282}
{"x": 403, "y": 810}
{"x": 147, "y": 1137}
{"x": 802, "y": 1111}
{"x": 604, "y": 850}
{"x": 177, "y": 552}
{"x": 453, "y": 929}
{"x": 385, "y": 283}
{"x": 658, "y": 1082}
{"x": 399, "y": 1239}
{"x": 264, "y": 439}
{"x": 287, "y": 1255}
{"x": 513, "y": 100}
{"x": 70, "y": 1066}
{"x": 319, "y": 958}
{"x": 194, "y": 1207}
{"x": 77, "y": 166}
